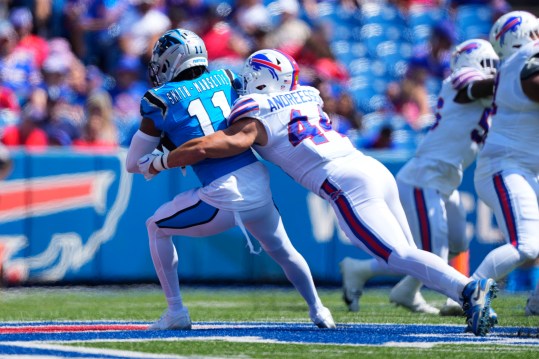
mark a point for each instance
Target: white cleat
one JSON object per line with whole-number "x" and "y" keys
{"x": 451, "y": 309}
{"x": 179, "y": 320}
{"x": 355, "y": 273}
{"x": 323, "y": 318}
{"x": 411, "y": 300}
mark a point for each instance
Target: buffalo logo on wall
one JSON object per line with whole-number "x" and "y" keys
{"x": 54, "y": 222}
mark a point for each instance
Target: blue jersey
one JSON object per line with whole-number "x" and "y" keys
{"x": 190, "y": 109}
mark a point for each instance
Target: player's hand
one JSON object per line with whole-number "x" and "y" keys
{"x": 145, "y": 165}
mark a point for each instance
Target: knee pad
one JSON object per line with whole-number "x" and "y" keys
{"x": 529, "y": 250}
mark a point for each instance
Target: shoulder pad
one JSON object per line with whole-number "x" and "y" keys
{"x": 245, "y": 106}
{"x": 465, "y": 76}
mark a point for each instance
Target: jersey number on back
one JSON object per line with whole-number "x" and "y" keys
{"x": 299, "y": 128}
{"x": 197, "y": 109}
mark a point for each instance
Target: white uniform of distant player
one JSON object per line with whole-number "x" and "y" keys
{"x": 428, "y": 182}
{"x": 507, "y": 173}
{"x": 361, "y": 190}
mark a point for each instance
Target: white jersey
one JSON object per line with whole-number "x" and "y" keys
{"x": 454, "y": 140}
{"x": 512, "y": 139}
{"x": 300, "y": 138}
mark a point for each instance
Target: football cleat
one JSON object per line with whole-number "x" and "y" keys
{"x": 323, "y": 319}
{"x": 477, "y": 296}
{"x": 492, "y": 317}
{"x": 354, "y": 275}
{"x": 451, "y": 309}
{"x": 413, "y": 300}
{"x": 179, "y": 320}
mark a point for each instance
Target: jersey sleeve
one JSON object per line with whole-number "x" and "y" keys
{"x": 465, "y": 76}
{"x": 245, "y": 106}
{"x": 153, "y": 108}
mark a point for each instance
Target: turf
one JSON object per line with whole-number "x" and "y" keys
{"x": 262, "y": 304}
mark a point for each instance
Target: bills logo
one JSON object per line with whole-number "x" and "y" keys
{"x": 52, "y": 224}
{"x": 260, "y": 61}
{"x": 511, "y": 25}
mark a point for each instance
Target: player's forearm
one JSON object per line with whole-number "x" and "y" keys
{"x": 217, "y": 145}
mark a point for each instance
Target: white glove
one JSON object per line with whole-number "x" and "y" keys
{"x": 144, "y": 163}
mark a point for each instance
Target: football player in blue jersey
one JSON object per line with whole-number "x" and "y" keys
{"x": 188, "y": 102}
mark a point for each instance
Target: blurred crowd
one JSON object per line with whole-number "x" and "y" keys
{"x": 72, "y": 72}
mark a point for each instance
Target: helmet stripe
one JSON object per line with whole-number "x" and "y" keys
{"x": 508, "y": 26}
{"x": 295, "y": 72}
{"x": 266, "y": 63}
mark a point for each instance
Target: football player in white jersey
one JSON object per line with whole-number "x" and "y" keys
{"x": 507, "y": 172}
{"x": 188, "y": 101}
{"x": 285, "y": 124}
{"x": 428, "y": 182}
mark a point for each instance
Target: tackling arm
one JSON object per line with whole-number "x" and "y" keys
{"x": 237, "y": 138}
{"x": 475, "y": 90}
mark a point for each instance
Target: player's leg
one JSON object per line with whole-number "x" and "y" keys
{"x": 358, "y": 198}
{"x": 185, "y": 215}
{"x": 458, "y": 242}
{"x": 532, "y": 305}
{"x": 513, "y": 198}
{"x": 427, "y": 218}
{"x": 266, "y": 225}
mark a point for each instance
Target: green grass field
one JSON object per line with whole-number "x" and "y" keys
{"x": 265, "y": 304}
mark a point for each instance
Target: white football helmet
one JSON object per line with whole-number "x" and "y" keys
{"x": 513, "y": 30}
{"x": 174, "y": 52}
{"x": 475, "y": 53}
{"x": 268, "y": 71}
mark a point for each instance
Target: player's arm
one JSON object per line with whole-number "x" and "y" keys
{"x": 529, "y": 77}
{"x": 237, "y": 138}
{"x": 143, "y": 142}
{"x": 475, "y": 90}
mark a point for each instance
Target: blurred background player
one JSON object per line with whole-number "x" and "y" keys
{"x": 286, "y": 125}
{"x": 507, "y": 172}
{"x": 428, "y": 182}
{"x": 6, "y": 164}
{"x": 189, "y": 102}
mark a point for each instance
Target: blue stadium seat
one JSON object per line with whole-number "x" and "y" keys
{"x": 473, "y": 21}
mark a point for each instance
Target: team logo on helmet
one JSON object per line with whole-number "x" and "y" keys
{"x": 512, "y": 24}
{"x": 260, "y": 61}
{"x": 468, "y": 49}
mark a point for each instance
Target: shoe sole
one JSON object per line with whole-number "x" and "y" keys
{"x": 484, "y": 323}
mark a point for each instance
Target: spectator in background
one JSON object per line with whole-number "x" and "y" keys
{"x": 226, "y": 47}
{"x": 126, "y": 95}
{"x": 291, "y": 33}
{"x": 99, "y": 130}
{"x": 141, "y": 26}
{"x": 18, "y": 71}
{"x": 9, "y": 107}
{"x": 427, "y": 69}
{"x": 6, "y": 163}
{"x": 254, "y": 21}
{"x": 22, "y": 21}
{"x": 94, "y": 30}
{"x": 28, "y": 131}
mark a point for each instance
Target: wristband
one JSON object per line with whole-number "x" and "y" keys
{"x": 159, "y": 163}
{"x": 469, "y": 92}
